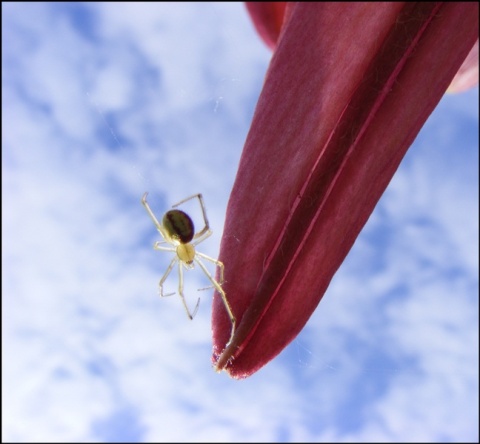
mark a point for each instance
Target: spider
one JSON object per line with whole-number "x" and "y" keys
{"x": 177, "y": 230}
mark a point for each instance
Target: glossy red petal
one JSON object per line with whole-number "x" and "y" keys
{"x": 268, "y": 19}
{"x": 348, "y": 89}
{"x": 467, "y": 75}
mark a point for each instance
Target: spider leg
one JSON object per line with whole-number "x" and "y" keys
{"x": 218, "y": 264}
{"x": 156, "y": 246}
{"x": 165, "y": 276}
{"x": 217, "y": 286}
{"x": 152, "y": 216}
{"x": 180, "y": 292}
{"x": 199, "y": 237}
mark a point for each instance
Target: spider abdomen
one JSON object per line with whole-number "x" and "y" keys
{"x": 179, "y": 226}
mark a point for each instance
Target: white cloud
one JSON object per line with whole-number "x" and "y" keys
{"x": 104, "y": 103}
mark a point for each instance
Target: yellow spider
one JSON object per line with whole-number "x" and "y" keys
{"x": 177, "y": 230}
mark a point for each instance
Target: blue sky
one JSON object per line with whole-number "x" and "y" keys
{"x": 104, "y": 101}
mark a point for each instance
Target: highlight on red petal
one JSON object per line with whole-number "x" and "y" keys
{"x": 348, "y": 89}
{"x": 467, "y": 75}
{"x": 268, "y": 19}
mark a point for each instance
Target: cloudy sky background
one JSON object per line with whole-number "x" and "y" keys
{"x": 104, "y": 101}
